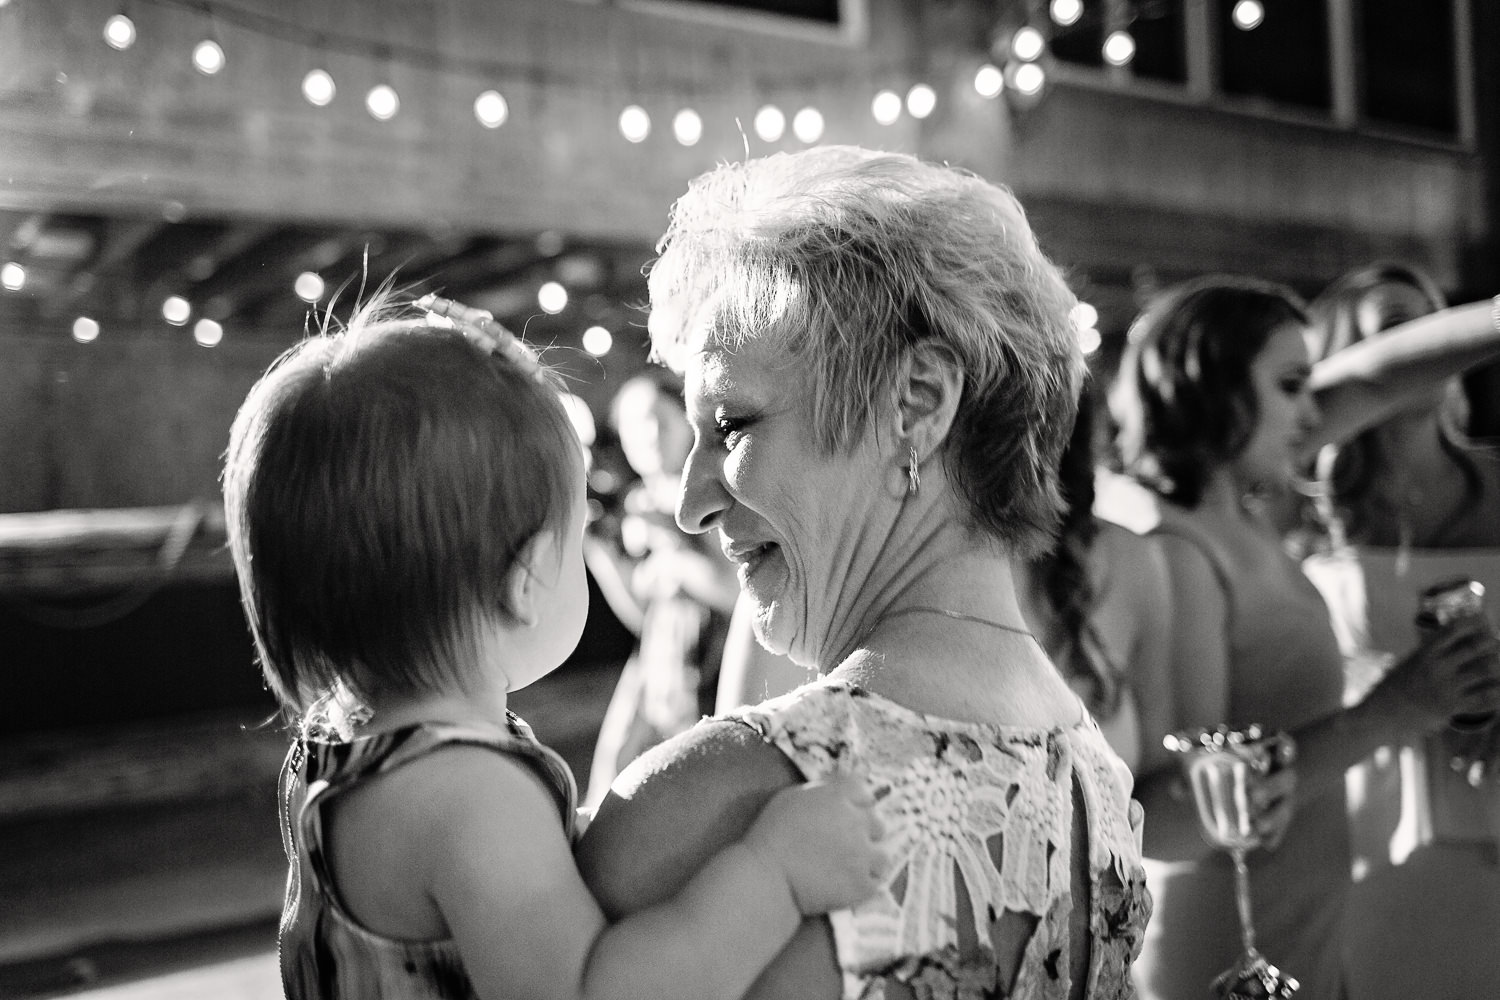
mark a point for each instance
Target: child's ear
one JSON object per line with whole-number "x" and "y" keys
{"x": 521, "y": 582}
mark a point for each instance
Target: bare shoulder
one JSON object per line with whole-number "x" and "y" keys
{"x": 674, "y": 808}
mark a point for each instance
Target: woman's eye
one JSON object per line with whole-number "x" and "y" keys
{"x": 730, "y": 431}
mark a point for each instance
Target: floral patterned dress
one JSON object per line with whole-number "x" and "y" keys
{"x": 980, "y": 819}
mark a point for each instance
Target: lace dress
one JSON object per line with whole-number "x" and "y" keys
{"x": 980, "y": 820}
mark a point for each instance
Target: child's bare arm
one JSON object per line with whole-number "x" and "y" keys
{"x": 502, "y": 874}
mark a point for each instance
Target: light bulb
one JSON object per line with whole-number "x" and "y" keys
{"x": 687, "y": 126}
{"x": 207, "y": 332}
{"x": 208, "y": 57}
{"x": 1066, "y": 12}
{"x": 1248, "y": 14}
{"x": 1027, "y": 44}
{"x": 552, "y": 297}
{"x": 770, "y": 123}
{"x": 989, "y": 81}
{"x": 1089, "y": 340}
{"x": 13, "y": 276}
{"x": 308, "y": 286}
{"x": 382, "y": 102}
{"x": 318, "y": 88}
{"x": 176, "y": 310}
{"x": 85, "y": 330}
{"x": 886, "y": 107}
{"x": 920, "y": 100}
{"x": 597, "y": 341}
{"x": 807, "y": 125}
{"x": 1119, "y": 48}
{"x": 1030, "y": 79}
{"x": 491, "y": 109}
{"x": 635, "y": 124}
{"x": 119, "y": 32}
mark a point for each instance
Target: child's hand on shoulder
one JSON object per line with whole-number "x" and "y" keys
{"x": 825, "y": 839}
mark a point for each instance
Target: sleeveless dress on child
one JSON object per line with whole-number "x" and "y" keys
{"x": 1285, "y": 671}
{"x": 326, "y": 954}
{"x": 979, "y": 820}
{"x": 1427, "y": 842}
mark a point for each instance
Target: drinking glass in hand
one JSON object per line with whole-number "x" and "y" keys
{"x": 1221, "y": 765}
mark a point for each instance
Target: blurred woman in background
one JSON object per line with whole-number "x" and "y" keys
{"x": 1215, "y": 408}
{"x": 1407, "y": 504}
{"x": 673, "y": 590}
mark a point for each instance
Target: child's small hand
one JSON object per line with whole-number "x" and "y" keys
{"x": 824, "y": 837}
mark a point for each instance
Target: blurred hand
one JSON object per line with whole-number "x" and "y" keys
{"x": 1454, "y": 671}
{"x": 1272, "y": 805}
{"x": 825, "y": 840}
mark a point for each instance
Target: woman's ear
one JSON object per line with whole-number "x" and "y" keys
{"x": 927, "y": 396}
{"x": 521, "y": 583}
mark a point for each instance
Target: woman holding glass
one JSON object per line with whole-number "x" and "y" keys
{"x": 1216, "y": 409}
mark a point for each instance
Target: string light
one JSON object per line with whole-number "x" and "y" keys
{"x": 1119, "y": 48}
{"x": 176, "y": 310}
{"x": 635, "y": 124}
{"x": 85, "y": 330}
{"x": 770, "y": 123}
{"x": 920, "y": 100}
{"x": 318, "y": 88}
{"x": 552, "y": 297}
{"x": 382, "y": 102}
{"x": 119, "y": 32}
{"x": 1089, "y": 340}
{"x": 1084, "y": 316}
{"x": 208, "y": 57}
{"x": 687, "y": 126}
{"x": 1248, "y": 14}
{"x": 1027, "y": 44}
{"x": 597, "y": 341}
{"x": 886, "y": 107}
{"x": 13, "y": 276}
{"x": 989, "y": 80}
{"x": 207, "y": 332}
{"x": 308, "y": 286}
{"x": 1067, "y": 12}
{"x": 491, "y": 109}
{"x": 807, "y": 125}
{"x": 1030, "y": 78}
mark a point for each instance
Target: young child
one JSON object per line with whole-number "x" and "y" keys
{"x": 405, "y": 502}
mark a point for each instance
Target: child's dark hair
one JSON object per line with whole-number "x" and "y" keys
{"x": 379, "y": 484}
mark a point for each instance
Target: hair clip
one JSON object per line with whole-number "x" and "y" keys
{"x": 479, "y": 328}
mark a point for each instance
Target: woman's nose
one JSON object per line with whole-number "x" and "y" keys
{"x": 701, "y": 496}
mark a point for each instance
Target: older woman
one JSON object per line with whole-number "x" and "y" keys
{"x": 1215, "y": 406}
{"x": 881, "y": 375}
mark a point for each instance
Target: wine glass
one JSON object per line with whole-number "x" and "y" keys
{"x": 1219, "y": 763}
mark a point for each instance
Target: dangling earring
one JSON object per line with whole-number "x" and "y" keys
{"x": 913, "y": 474}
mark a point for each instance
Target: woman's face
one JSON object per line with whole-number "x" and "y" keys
{"x": 1279, "y": 375}
{"x": 802, "y": 526}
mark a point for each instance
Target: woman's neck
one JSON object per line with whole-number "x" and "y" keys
{"x": 941, "y": 563}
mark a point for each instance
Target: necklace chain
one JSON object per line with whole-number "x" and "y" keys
{"x": 955, "y": 615}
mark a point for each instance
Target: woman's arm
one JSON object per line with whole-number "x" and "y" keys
{"x": 611, "y": 571}
{"x": 671, "y": 811}
{"x": 1368, "y": 382}
{"x": 500, "y": 871}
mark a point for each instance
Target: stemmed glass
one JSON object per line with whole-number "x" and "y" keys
{"x": 1219, "y": 763}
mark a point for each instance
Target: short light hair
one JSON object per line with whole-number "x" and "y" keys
{"x": 849, "y": 259}
{"x": 379, "y": 484}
